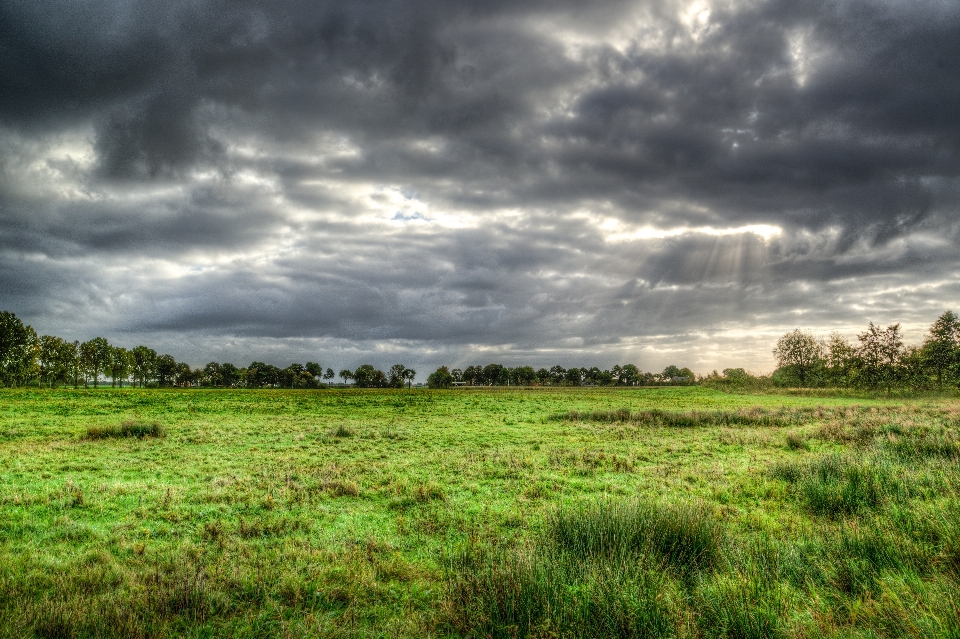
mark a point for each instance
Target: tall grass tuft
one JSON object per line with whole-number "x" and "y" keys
{"x": 129, "y": 428}
{"x": 837, "y": 485}
{"x": 538, "y": 592}
{"x": 601, "y": 569}
{"x": 685, "y": 538}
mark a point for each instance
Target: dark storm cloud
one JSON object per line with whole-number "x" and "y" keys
{"x": 527, "y": 178}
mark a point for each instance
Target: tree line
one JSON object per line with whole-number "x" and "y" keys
{"x": 878, "y": 360}
{"x": 498, "y": 375}
{"x": 47, "y": 360}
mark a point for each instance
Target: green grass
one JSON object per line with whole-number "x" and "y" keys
{"x": 555, "y": 512}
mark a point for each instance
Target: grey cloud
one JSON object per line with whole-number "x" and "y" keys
{"x": 231, "y": 155}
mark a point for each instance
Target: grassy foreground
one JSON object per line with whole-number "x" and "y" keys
{"x": 506, "y": 513}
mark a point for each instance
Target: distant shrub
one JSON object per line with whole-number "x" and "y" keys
{"x": 129, "y": 428}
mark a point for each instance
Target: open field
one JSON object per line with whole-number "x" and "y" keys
{"x": 556, "y": 512}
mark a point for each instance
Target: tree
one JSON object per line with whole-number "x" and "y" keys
{"x": 366, "y": 376}
{"x": 630, "y": 375}
{"x": 120, "y": 364}
{"x": 879, "y": 356}
{"x": 96, "y": 355}
{"x": 76, "y": 362}
{"x": 315, "y": 370}
{"x": 472, "y": 374}
{"x": 941, "y": 350}
{"x": 345, "y": 375}
{"x": 166, "y": 369}
{"x": 53, "y": 359}
{"x": 396, "y": 377}
{"x": 260, "y": 375}
{"x": 213, "y": 374}
{"x": 183, "y": 375}
{"x": 558, "y": 374}
{"x": 291, "y": 376}
{"x": 409, "y": 374}
{"x": 800, "y": 353}
{"x": 457, "y": 375}
{"x": 841, "y": 359}
{"x": 329, "y": 374}
{"x": 144, "y": 364}
{"x": 573, "y": 377}
{"x": 17, "y": 349}
{"x": 440, "y": 378}
{"x": 524, "y": 375}
{"x": 232, "y": 375}
{"x": 495, "y": 375}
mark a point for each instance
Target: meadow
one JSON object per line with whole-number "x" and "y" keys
{"x": 565, "y": 512}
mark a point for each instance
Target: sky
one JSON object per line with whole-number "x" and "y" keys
{"x": 461, "y": 182}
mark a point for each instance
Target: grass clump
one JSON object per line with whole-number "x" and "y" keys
{"x": 601, "y": 569}
{"x": 796, "y": 442}
{"x": 685, "y": 538}
{"x": 838, "y": 485}
{"x": 129, "y": 428}
{"x": 341, "y": 431}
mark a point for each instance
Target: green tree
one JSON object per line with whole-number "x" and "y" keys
{"x": 346, "y": 374}
{"x": 329, "y": 374}
{"x": 18, "y": 350}
{"x": 630, "y": 375}
{"x": 75, "y": 362}
{"x": 232, "y": 376}
{"x": 292, "y": 376}
{"x": 144, "y": 364}
{"x": 472, "y": 375}
{"x": 879, "y": 356}
{"x": 396, "y": 377}
{"x": 95, "y": 356}
{"x": 841, "y": 360}
{"x": 558, "y": 374}
{"x": 314, "y": 369}
{"x": 495, "y": 375}
{"x": 166, "y": 370}
{"x": 53, "y": 361}
{"x": 440, "y": 378}
{"x": 524, "y": 375}
{"x": 941, "y": 350}
{"x": 800, "y": 353}
{"x": 183, "y": 375}
{"x": 409, "y": 374}
{"x": 120, "y": 365}
{"x": 366, "y": 376}
{"x": 213, "y": 374}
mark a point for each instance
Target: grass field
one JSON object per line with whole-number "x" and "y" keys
{"x": 507, "y": 513}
